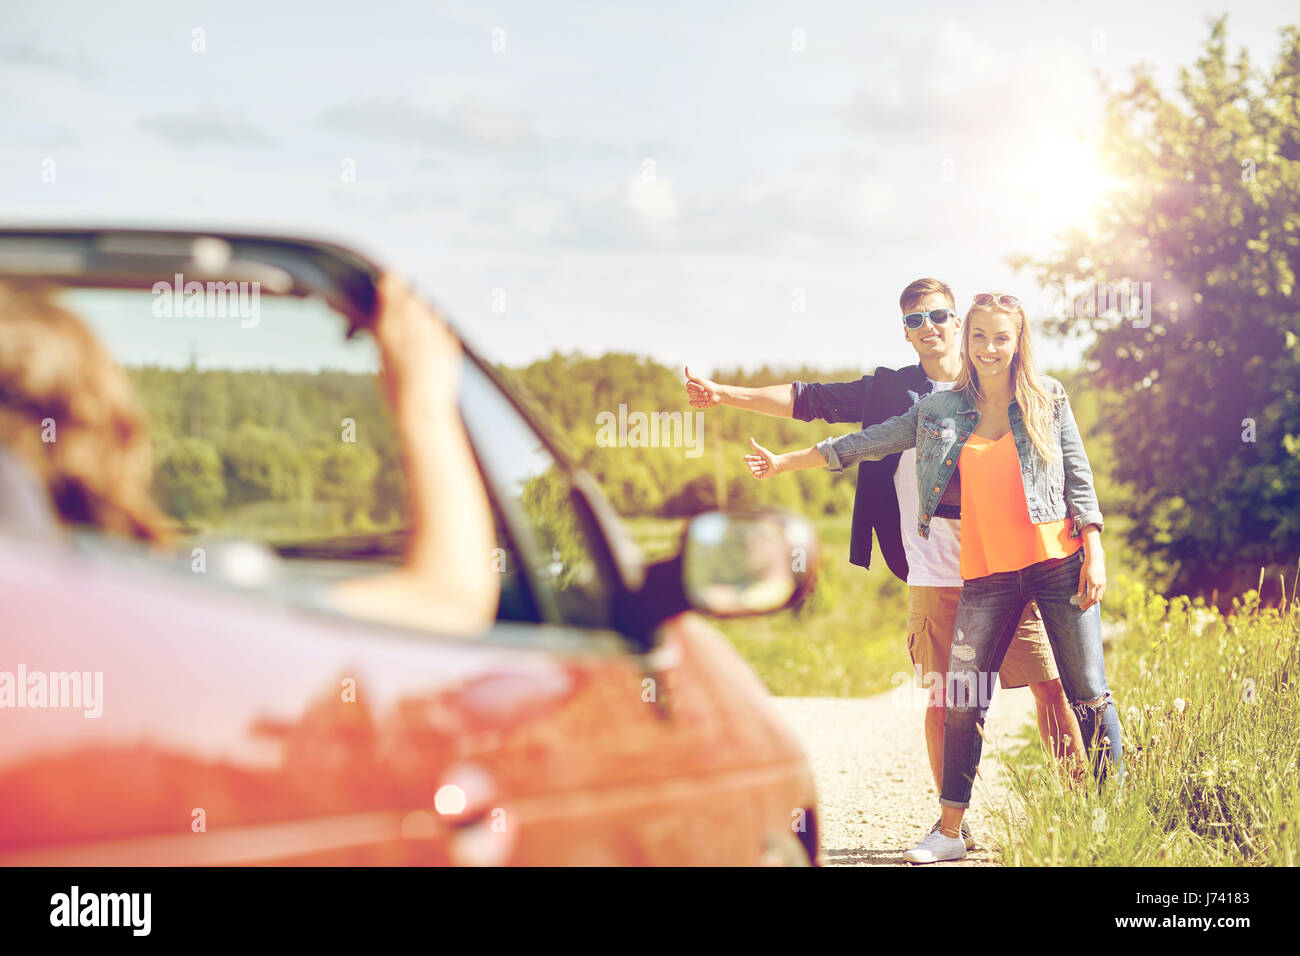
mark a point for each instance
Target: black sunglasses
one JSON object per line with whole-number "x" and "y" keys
{"x": 914, "y": 320}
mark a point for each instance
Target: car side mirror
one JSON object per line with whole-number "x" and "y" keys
{"x": 740, "y": 564}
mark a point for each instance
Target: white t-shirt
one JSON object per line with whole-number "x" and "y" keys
{"x": 935, "y": 561}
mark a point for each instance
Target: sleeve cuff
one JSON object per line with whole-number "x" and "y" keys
{"x": 1085, "y": 519}
{"x": 826, "y": 448}
{"x": 799, "y": 408}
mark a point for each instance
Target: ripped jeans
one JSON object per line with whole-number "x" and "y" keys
{"x": 987, "y": 614}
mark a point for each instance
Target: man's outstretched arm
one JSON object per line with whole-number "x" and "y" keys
{"x": 775, "y": 400}
{"x": 807, "y": 401}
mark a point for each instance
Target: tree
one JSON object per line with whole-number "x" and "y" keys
{"x": 388, "y": 491}
{"x": 1199, "y": 380}
{"x": 344, "y": 474}
{"x": 261, "y": 464}
{"x": 188, "y": 481}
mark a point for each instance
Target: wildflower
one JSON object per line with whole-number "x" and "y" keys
{"x": 1179, "y": 704}
{"x": 1199, "y": 620}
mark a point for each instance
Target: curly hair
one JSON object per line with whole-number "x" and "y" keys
{"x": 69, "y": 412}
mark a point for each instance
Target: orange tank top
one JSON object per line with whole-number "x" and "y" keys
{"x": 996, "y": 533}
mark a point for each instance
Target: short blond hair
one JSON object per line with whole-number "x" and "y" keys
{"x": 918, "y": 290}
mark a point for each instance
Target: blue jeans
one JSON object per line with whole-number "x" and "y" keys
{"x": 987, "y": 614}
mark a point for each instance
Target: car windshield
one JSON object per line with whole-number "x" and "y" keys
{"x": 267, "y": 423}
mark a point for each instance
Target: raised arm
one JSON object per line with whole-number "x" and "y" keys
{"x": 445, "y": 581}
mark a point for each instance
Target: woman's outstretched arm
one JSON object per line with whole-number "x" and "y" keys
{"x": 764, "y": 464}
{"x": 835, "y": 454}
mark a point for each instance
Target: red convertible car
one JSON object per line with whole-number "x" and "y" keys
{"x": 198, "y": 708}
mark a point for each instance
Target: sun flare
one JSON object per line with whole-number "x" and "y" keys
{"x": 1065, "y": 187}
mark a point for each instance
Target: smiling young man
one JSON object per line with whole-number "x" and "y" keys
{"x": 886, "y": 502}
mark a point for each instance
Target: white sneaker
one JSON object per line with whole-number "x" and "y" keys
{"x": 965, "y": 832}
{"x": 935, "y": 848}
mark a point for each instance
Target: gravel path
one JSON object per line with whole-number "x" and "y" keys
{"x": 875, "y": 794}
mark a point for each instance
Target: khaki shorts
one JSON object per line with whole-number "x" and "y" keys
{"x": 932, "y": 619}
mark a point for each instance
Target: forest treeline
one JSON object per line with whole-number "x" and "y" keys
{"x": 288, "y": 452}
{"x": 231, "y": 446}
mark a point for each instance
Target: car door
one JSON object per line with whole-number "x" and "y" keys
{"x": 658, "y": 757}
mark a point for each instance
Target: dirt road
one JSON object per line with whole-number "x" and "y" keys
{"x": 874, "y": 789}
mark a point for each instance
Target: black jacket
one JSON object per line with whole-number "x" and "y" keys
{"x": 879, "y": 395}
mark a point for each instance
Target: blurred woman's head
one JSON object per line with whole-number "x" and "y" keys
{"x": 997, "y": 347}
{"x": 68, "y": 411}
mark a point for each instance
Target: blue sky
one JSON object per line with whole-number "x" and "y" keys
{"x": 671, "y": 179}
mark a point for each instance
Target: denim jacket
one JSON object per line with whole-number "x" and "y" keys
{"x": 938, "y": 426}
{"x": 875, "y": 397}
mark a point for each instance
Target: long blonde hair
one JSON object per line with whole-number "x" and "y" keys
{"x": 1036, "y": 403}
{"x": 68, "y": 411}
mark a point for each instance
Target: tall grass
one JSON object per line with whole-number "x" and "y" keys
{"x": 1211, "y": 717}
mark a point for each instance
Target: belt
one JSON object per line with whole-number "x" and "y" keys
{"x": 948, "y": 511}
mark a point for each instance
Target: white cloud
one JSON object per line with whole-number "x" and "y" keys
{"x": 29, "y": 56}
{"x": 205, "y": 126}
{"x": 953, "y": 82}
{"x": 472, "y": 125}
{"x": 833, "y": 207}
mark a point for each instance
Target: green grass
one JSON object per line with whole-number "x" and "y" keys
{"x": 1211, "y": 719}
{"x": 848, "y": 639}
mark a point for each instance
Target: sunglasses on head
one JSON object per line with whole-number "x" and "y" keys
{"x": 1001, "y": 301}
{"x": 914, "y": 320}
